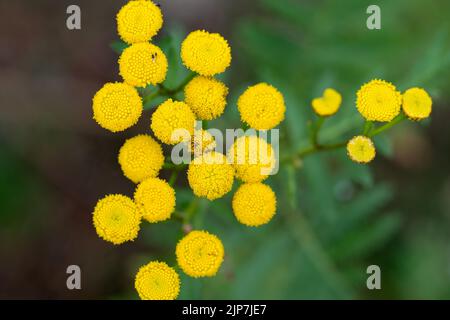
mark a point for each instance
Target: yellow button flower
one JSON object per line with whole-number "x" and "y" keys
{"x": 361, "y": 149}
{"x": 328, "y": 104}
{"x": 261, "y": 106}
{"x": 116, "y": 219}
{"x": 210, "y": 176}
{"x": 139, "y": 21}
{"x": 141, "y": 157}
{"x": 252, "y": 157}
{"x": 155, "y": 199}
{"x": 117, "y": 106}
{"x": 417, "y": 104}
{"x": 378, "y": 100}
{"x": 142, "y": 64}
{"x": 205, "y": 53}
{"x": 157, "y": 281}
{"x": 206, "y": 97}
{"x": 170, "y": 117}
{"x": 254, "y": 204}
{"x": 200, "y": 254}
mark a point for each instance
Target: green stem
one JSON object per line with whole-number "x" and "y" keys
{"x": 388, "y": 125}
{"x": 315, "y": 131}
{"x": 173, "y": 177}
{"x": 368, "y": 125}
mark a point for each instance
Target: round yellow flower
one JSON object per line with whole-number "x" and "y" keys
{"x": 254, "y": 204}
{"x": 361, "y": 149}
{"x": 117, "y": 106}
{"x": 378, "y": 100}
{"x": 206, "y": 97}
{"x": 157, "y": 281}
{"x": 210, "y": 175}
{"x": 139, "y": 21}
{"x": 202, "y": 142}
{"x": 205, "y": 53}
{"x": 173, "y": 122}
{"x": 141, "y": 157}
{"x": 200, "y": 254}
{"x": 261, "y": 106}
{"x": 417, "y": 103}
{"x": 252, "y": 157}
{"x": 116, "y": 219}
{"x": 142, "y": 64}
{"x": 328, "y": 104}
{"x": 155, "y": 199}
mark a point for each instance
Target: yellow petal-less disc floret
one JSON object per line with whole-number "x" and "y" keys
{"x": 361, "y": 149}
{"x": 252, "y": 157}
{"x": 328, "y": 104}
{"x": 141, "y": 157}
{"x": 157, "y": 281}
{"x": 117, "y": 106}
{"x": 254, "y": 204}
{"x": 142, "y": 64}
{"x": 206, "y": 97}
{"x": 155, "y": 199}
{"x": 417, "y": 103}
{"x": 210, "y": 175}
{"x": 173, "y": 122}
{"x": 139, "y": 21}
{"x": 200, "y": 254}
{"x": 261, "y": 106}
{"x": 205, "y": 53}
{"x": 116, "y": 219}
{"x": 378, "y": 100}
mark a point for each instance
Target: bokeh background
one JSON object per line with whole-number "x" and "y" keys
{"x": 334, "y": 218}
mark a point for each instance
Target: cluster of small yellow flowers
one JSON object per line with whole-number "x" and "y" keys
{"x": 139, "y": 21}
{"x": 200, "y": 254}
{"x": 155, "y": 199}
{"x": 328, "y": 104}
{"x": 416, "y": 104}
{"x": 141, "y": 157}
{"x": 253, "y": 158}
{"x": 205, "y": 53}
{"x": 378, "y": 100}
{"x": 116, "y": 219}
{"x": 172, "y": 121}
{"x": 254, "y": 204}
{"x": 157, "y": 281}
{"x": 142, "y": 64}
{"x": 206, "y": 97}
{"x": 117, "y": 106}
{"x": 210, "y": 175}
{"x": 361, "y": 149}
{"x": 261, "y": 106}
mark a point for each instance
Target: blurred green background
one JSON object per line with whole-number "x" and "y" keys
{"x": 334, "y": 217}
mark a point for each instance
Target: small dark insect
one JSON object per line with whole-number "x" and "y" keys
{"x": 154, "y": 55}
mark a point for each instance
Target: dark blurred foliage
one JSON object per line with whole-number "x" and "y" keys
{"x": 334, "y": 217}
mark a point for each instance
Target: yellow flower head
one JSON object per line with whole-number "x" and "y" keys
{"x": 117, "y": 106}
{"x": 139, "y": 21}
{"x": 361, "y": 149}
{"x": 261, "y": 106}
{"x": 210, "y": 175}
{"x": 200, "y": 254}
{"x": 202, "y": 142}
{"x": 173, "y": 122}
{"x": 157, "y": 281}
{"x": 141, "y": 157}
{"x": 155, "y": 199}
{"x": 328, "y": 104}
{"x": 417, "y": 104}
{"x": 205, "y": 53}
{"x": 142, "y": 64}
{"x": 116, "y": 219}
{"x": 252, "y": 157}
{"x": 254, "y": 204}
{"x": 206, "y": 97}
{"x": 378, "y": 100}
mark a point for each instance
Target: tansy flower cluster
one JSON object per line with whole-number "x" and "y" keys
{"x": 211, "y": 174}
{"x": 376, "y": 101}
